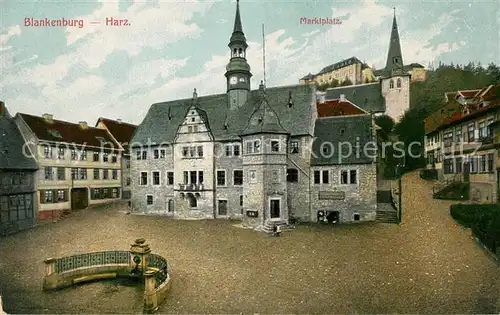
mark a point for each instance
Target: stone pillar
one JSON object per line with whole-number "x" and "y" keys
{"x": 150, "y": 298}
{"x": 50, "y": 266}
{"x": 139, "y": 255}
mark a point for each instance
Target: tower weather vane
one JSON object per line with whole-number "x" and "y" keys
{"x": 264, "y": 53}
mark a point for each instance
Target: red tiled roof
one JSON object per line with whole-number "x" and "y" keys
{"x": 468, "y": 93}
{"x": 63, "y": 131}
{"x": 338, "y": 107}
{"x": 121, "y": 131}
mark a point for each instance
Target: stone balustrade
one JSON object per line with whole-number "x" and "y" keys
{"x": 138, "y": 262}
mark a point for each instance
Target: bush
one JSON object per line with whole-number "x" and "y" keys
{"x": 429, "y": 174}
{"x": 483, "y": 219}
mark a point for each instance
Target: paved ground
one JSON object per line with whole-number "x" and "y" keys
{"x": 428, "y": 264}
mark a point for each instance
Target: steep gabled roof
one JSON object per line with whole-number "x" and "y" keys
{"x": 366, "y": 96}
{"x": 12, "y": 143}
{"x": 338, "y": 107}
{"x": 63, "y": 131}
{"x": 121, "y": 131}
{"x": 341, "y": 131}
{"x": 296, "y": 119}
{"x": 264, "y": 120}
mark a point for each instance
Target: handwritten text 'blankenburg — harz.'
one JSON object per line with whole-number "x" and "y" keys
{"x": 46, "y": 22}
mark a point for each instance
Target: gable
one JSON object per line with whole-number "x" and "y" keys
{"x": 194, "y": 127}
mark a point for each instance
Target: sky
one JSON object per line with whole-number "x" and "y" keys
{"x": 171, "y": 47}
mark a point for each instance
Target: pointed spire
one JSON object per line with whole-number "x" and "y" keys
{"x": 394, "y": 56}
{"x": 237, "y": 19}
{"x": 238, "y": 37}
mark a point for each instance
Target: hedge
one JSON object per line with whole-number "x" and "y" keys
{"x": 484, "y": 219}
{"x": 429, "y": 174}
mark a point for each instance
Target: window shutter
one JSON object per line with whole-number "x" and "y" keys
{"x": 42, "y": 196}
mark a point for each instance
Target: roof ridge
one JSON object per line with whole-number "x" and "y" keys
{"x": 60, "y": 121}
{"x": 116, "y": 121}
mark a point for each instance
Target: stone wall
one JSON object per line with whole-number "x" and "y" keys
{"x": 298, "y": 193}
{"x": 360, "y": 198}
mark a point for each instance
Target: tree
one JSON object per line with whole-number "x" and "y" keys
{"x": 346, "y": 82}
{"x": 386, "y": 124}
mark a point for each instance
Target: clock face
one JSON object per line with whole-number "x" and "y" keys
{"x": 233, "y": 80}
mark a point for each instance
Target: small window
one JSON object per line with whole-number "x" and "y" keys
{"x": 163, "y": 153}
{"x": 317, "y": 177}
{"x": 149, "y": 200}
{"x": 342, "y": 131}
{"x": 275, "y": 146}
{"x": 238, "y": 178}
{"x": 156, "y": 154}
{"x": 241, "y": 200}
{"x": 96, "y": 173}
{"x": 276, "y": 176}
{"x": 294, "y": 147}
{"x": 114, "y": 174}
{"x": 105, "y": 157}
{"x": 353, "y": 177}
{"x": 96, "y": 156}
{"x": 326, "y": 177}
{"x": 190, "y": 129}
{"x": 170, "y": 178}
{"x": 356, "y": 217}
{"x": 200, "y": 151}
{"x": 292, "y": 175}
{"x": 398, "y": 83}
{"x": 105, "y": 174}
{"x": 221, "y": 178}
{"x": 236, "y": 150}
{"x": 128, "y": 181}
{"x": 144, "y": 178}
{"x": 195, "y": 128}
{"x": 156, "y": 178}
{"x": 193, "y": 119}
{"x": 391, "y": 84}
{"x": 344, "y": 177}
{"x": 193, "y": 203}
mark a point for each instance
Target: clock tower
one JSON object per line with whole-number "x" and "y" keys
{"x": 237, "y": 70}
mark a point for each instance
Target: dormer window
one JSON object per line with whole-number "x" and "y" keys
{"x": 54, "y": 133}
{"x": 192, "y": 119}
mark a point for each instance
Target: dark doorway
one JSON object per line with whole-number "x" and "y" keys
{"x": 79, "y": 198}
{"x": 466, "y": 171}
{"x": 275, "y": 208}
{"x": 222, "y": 206}
{"x": 332, "y": 217}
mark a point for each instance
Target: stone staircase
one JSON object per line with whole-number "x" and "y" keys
{"x": 386, "y": 213}
{"x": 269, "y": 225}
{"x": 387, "y": 216}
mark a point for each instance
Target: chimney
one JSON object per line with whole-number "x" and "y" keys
{"x": 342, "y": 97}
{"x": 48, "y": 117}
{"x": 83, "y": 124}
{"x": 119, "y": 120}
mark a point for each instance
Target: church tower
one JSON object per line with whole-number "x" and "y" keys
{"x": 237, "y": 70}
{"x": 396, "y": 81}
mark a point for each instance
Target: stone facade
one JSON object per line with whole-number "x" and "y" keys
{"x": 356, "y": 201}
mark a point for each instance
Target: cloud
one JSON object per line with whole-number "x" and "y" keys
{"x": 153, "y": 27}
{"x": 153, "y": 80}
{"x": 14, "y": 30}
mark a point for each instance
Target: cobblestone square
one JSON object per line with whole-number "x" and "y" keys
{"x": 428, "y": 264}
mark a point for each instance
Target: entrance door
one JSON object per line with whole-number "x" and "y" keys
{"x": 466, "y": 171}
{"x": 170, "y": 206}
{"x": 275, "y": 208}
{"x": 222, "y": 206}
{"x": 79, "y": 198}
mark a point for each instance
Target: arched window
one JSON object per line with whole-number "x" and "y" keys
{"x": 398, "y": 83}
{"x": 193, "y": 203}
{"x": 240, "y": 52}
{"x": 391, "y": 84}
{"x": 235, "y": 52}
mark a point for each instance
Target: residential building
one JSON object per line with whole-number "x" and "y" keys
{"x": 351, "y": 69}
{"x": 17, "y": 178}
{"x": 460, "y": 141}
{"x": 251, "y": 154}
{"x": 123, "y": 132}
{"x": 78, "y": 165}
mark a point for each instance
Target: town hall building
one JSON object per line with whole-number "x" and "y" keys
{"x": 261, "y": 155}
